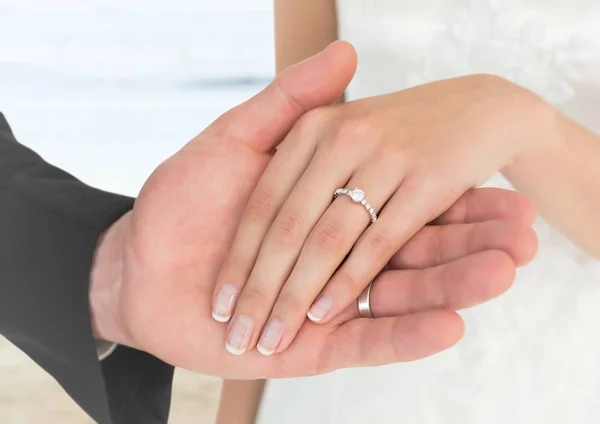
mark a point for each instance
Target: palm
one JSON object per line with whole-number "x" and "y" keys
{"x": 178, "y": 250}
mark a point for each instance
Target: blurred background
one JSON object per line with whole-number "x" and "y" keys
{"x": 108, "y": 89}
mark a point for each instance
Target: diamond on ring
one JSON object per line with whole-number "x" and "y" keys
{"x": 357, "y": 196}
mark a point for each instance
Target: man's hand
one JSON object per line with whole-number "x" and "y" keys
{"x": 155, "y": 268}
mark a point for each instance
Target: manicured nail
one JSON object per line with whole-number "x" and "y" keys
{"x": 223, "y": 307}
{"x": 239, "y": 335}
{"x": 271, "y": 337}
{"x": 320, "y": 308}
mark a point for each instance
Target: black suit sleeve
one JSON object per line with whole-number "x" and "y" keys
{"x": 49, "y": 225}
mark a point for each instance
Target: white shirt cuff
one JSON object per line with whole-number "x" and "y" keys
{"x": 104, "y": 349}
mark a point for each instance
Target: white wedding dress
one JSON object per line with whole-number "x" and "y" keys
{"x": 533, "y": 355}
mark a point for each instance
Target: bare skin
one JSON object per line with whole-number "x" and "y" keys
{"x": 301, "y": 30}
{"x": 494, "y": 220}
{"x": 155, "y": 269}
{"x": 303, "y": 27}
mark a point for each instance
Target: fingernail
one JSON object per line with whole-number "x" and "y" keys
{"x": 271, "y": 337}
{"x": 239, "y": 335}
{"x": 320, "y": 308}
{"x": 224, "y": 299}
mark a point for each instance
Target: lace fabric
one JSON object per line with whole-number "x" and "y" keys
{"x": 532, "y": 355}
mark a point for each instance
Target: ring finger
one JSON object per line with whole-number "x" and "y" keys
{"x": 325, "y": 249}
{"x": 265, "y": 250}
{"x": 459, "y": 284}
{"x": 290, "y": 162}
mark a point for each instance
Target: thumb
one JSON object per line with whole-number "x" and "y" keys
{"x": 264, "y": 120}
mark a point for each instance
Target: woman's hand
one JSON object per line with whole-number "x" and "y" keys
{"x": 413, "y": 153}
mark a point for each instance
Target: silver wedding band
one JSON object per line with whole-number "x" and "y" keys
{"x": 364, "y": 302}
{"x": 357, "y": 196}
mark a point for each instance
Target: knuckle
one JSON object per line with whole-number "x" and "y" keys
{"x": 329, "y": 235}
{"x": 254, "y": 296}
{"x": 291, "y": 304}
{"x": 379, "y": 243}
{"x": 352, "y": 132}
{"x": 262, "y": 206}
{"x": 356, "y": 127}
{"x": 236, "y": 261}
{"x": 288, "y": 227}
{"x": 395, "y": 158}
{"x": 287, "y": 96}
{"x": 348, "y": 283}
{"x": 312, "y": 121}
{"x": 420, "y": 175}
{"x": 421, "y": 180}
{"x": 436, "y": 250}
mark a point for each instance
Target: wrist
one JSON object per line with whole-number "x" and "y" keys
{"x": 106, "y": 279}
{"x": 540, "y": 142}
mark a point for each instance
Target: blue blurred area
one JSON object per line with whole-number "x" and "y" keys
{"x": 108, "y": 89}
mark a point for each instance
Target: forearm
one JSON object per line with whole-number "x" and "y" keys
{"x": 240, "y": 400}
{"x": 50, "y": 224}
{"x": 562, "y": 175}
{"x": 302, "y": 29}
